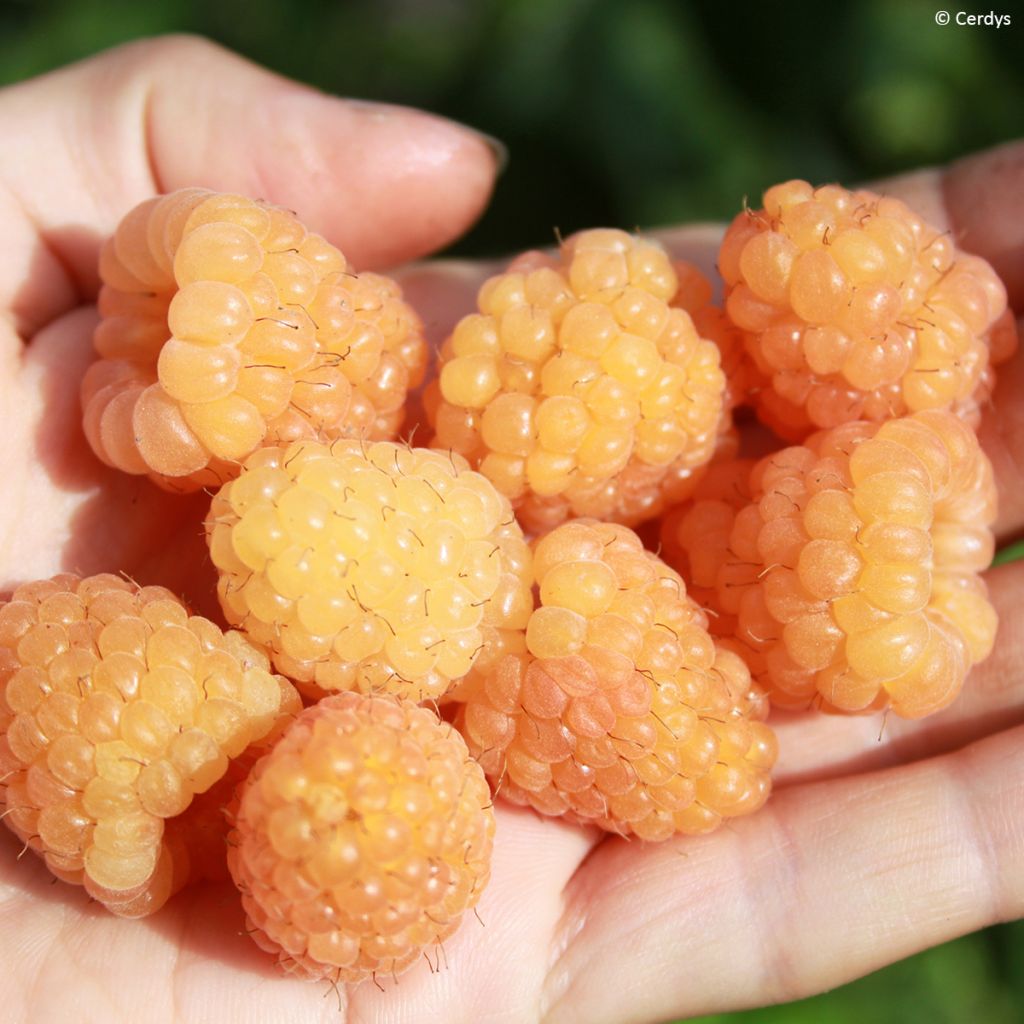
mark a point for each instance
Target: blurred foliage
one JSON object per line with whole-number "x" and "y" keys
{"x": 1011, "y": 553}
{"x": 639, "y": 114}
{"x": 635, "y": 114}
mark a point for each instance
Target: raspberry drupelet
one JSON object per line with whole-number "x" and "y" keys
{"x": 372, "y": 567}
{"x": 226, "y": 326}
{"x": 617, "y": 709}
{"x": 116, "y": 707}
{"x": 577, "y": 389}
{"x": 361, "y": 839}
{"x": 854, "y": 308}
{"x": 851, "y": 575}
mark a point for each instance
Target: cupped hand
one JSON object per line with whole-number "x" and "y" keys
{"x": 883, "y": 837}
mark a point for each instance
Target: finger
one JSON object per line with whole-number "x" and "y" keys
{"x": 385, "y": 183}
{"x": 832, "y": 880}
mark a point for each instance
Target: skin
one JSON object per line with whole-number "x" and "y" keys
{"x": 882, "y": 838}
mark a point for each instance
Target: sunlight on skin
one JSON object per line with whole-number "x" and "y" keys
{"x": 841, "y": 873}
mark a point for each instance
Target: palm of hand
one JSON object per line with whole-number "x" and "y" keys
{"x": 872, "y": 847}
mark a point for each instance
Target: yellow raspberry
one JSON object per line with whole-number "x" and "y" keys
{"x": 854, "y": 308}
{"x": 577, "y": 388}
{"x": 227, "y": 326}
{"x": 369, "y": 567}
{"x": 617, "y": 709}
{"x": 850, "y": 576}
{"x": 361, "y": 839}
{"x": 116, "y": 708}
{"x": 198, "y": 838}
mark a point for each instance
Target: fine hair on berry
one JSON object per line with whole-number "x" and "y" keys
{"x": 116, "y": 708}
{"x": 617, "y": 709}
{"x": 226, "y": 325}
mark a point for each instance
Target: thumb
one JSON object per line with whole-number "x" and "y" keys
{"x": 384, "y": 183}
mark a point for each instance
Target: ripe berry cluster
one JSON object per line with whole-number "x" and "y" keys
{"x": 480, "y": 613}
{"x": 854, "y": 308}
{"x": 578, "y": 389}
{"x": 227, "y": 326}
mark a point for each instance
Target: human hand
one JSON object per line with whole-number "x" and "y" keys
{"x": 837, "y": 876}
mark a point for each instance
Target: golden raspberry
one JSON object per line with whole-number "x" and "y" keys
{"x": 577, "y": 389}
{"x": 850, "y": 576}
{"x": 116, "y": 707}
{"x": 227, "y": 326}
{"x": 198, "y": 838}
{"x": 855, "y": 308}
{"x": 361, "y": 839}
{"x": 617, "y": 709}
{"x": 375, "y": 568}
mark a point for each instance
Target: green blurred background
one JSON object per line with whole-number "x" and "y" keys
{"x": 640, "y": 114}
{"x": 634, "y": 113}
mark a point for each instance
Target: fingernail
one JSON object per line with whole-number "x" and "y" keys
{"x": 498, "y": 149}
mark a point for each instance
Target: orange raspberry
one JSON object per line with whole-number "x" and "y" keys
{"x": 617, "y": 709}
{"x": 227, "y": 326}
{"x": 854, "y": 308}
{"x": 361, "y": 839}
{"x": 577, "y": 389}
{"x": 198, "y": 838}
{"x": 376, "y": 567}
{"x": 116, "y": 707}
{"x": 851, "y": 574}
{"x": 696, "y": 534}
